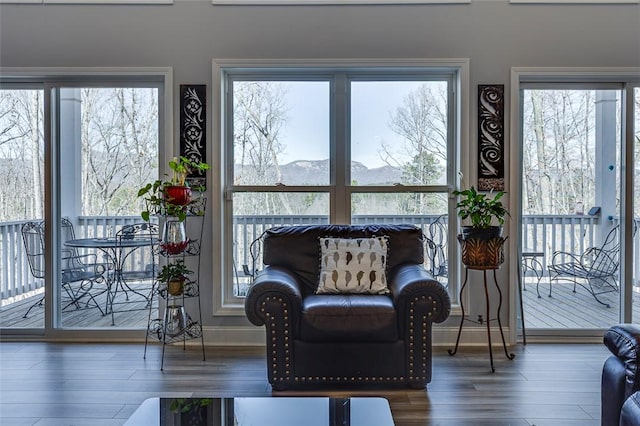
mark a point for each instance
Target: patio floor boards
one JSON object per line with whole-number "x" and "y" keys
{"x": 564, "y": 309}
{"x": 133, "y": 314}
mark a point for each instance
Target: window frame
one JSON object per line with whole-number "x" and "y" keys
{"x": 83, "y": 2}
{"x": 334, "y": 2}
{"x": 455, "y": 70}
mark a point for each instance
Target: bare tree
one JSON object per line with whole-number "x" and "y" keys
{"x": 421, "y": 121}
{"x": 259, "y": 115}
{"x": 120, "y": 148}
{"x": 21, "y": 145}
{"x": 558, "y": 149}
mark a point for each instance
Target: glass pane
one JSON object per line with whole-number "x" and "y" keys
{"x": 21, "y": 208}
{"x": 427, "y": 211}
{"x": 571, "y": 158}
{"x": 109, "y": 149}
{"x": 255, "y": 212}
{"x": 281, "y": 132}
{"x": 636, "y": 207}
{"x": 399, "y": 132}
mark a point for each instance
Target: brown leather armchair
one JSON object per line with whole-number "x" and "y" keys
{"x": 315, "y": 339}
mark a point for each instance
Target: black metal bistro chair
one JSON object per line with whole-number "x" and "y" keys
{"x": 138, "y": 263}
{"x": 436, "y": 240}
{"x": 595, "y": 270}
{"x": 78, "y": 273}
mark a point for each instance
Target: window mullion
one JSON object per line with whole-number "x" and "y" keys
{"x": 340, "y": 203}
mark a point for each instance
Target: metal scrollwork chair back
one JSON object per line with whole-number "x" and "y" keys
{"x": 78, "y": 272}
{"x": 595, "y": 270}
{"x": 436, "y": 246}
{"x": 137, "y": 259}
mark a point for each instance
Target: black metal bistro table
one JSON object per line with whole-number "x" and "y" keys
{"x": 117, "y": 251}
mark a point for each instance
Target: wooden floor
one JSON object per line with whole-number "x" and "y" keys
{"x": 102, "y": 384}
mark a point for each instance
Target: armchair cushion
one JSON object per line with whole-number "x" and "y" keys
{"x": 353, "y": 265}
{"x": 296, "y": 248}
{"x": 348, "y": 318}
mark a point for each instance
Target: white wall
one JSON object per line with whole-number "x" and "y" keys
{"x": 494, "y": 35}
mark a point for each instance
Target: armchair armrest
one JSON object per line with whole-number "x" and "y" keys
{"x": 411, "y": 283}
{"x": 275, "y": 301}
{"x": 275, "y": 289}
{"x": 623, "y": 341}
{"x": 420, "y": 301}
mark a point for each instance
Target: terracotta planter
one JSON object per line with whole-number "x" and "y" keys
{"x": 177, "y": 195}
{"x": 175, "y": 287}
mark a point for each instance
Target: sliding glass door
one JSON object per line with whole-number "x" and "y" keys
{"x": 575, "y": 198}
{"x": 634, "y": 135}
{"x": 21, "y": 201}
{"x": 74, "y": 155}
{"x": 107, "y": 139}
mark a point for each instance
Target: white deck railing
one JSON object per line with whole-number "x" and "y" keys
{"x": 546, "y": 233}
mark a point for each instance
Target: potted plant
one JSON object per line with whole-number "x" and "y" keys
{"x": 481, "y": 242}
{"x": 172, "y": 196}
{"x": 483, "y": 211}
{"x": 177, "y": 191}
{"x": 192, "y": 411}
{"x": 174, "y": 274}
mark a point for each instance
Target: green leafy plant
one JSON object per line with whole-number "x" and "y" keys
{"x": 175, "y": 271}
{"x": 481, "y": 209}
{"x": 185, "y": 405}
{"x": 182, "y": 167}
{"x": 154, "y": 193}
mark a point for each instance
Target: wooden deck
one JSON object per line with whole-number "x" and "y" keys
{"x": 131, "y": 314}
{"x": 564, "y": 310}
{"x": 568, "y": 310}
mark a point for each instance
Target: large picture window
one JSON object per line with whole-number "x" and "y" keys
{"x": 335, "y": 145}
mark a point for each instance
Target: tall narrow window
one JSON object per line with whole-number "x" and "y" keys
{"x": 636, "y": 204}
{"x": 21, "y": 200}
{"x": 571, "y": 217}
{"x": 108, "y": 150}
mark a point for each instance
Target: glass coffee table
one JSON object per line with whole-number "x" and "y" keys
{"x": 263, "y": 411}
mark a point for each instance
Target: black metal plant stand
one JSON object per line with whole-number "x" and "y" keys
{"x": 488, "y": 313}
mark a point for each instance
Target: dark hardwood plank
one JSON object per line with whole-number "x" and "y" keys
{"x": 102, "y": 384}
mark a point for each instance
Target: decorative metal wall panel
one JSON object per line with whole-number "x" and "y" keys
{"x": 193, "y": 128}
{"x": 491, "y": 137}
